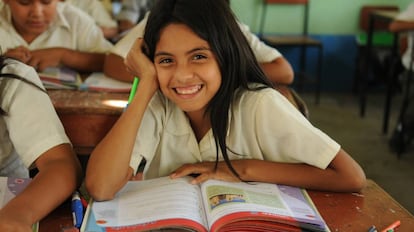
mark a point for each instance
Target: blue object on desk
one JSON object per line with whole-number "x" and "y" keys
{"x": 77, "y": 210}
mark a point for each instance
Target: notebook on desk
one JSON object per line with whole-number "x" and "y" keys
{"x": 98, "y": 81}
{"x": 60, "y": 78}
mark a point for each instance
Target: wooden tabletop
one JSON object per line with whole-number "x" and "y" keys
{"x": 348, "y": 212}
{"x": 87, "y": 102}
{"x": 87, "y": 116}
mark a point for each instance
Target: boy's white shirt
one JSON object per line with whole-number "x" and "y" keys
{"x": 72, "y": 29}
{"x": 96, "y": 9}
{"x": 32, "y": 126}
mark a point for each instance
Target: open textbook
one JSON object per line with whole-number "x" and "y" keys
{"x": 66, "y": 78}
{"x": 165, "y": 204}
{"x": 9, "y": 188}
{"x": 98, "y": 81}
{"x": 60, "y": 78}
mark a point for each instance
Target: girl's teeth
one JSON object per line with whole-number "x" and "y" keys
{"x": 188, "y": 90}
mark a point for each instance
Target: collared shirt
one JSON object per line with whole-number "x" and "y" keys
{"x": 96, "y": 9}
{"x": 263, "y": 52}
{"x": 31, "y": 125}
{"x": 262, "y": 125}
{"x": 72, "y": 29}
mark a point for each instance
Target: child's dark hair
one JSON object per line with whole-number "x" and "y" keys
{"x": 214, "y": 22}
{"x": 5, "y": 61}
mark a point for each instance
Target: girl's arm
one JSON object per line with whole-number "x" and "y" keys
{"x": 342, "y": 175}
{"x": 108, "y": 166}
{"x": 59, "y": 175}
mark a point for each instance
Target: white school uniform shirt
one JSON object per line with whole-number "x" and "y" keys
{"x": 31, "y": 125}
{"x": 407, "y": 15}
{"x": 96, "y": 10}
{"x": 72, "y": 29}
{"x": 263, "y": 125}
{"x": 263, "y": 52}
{"x": 132, "y": 10}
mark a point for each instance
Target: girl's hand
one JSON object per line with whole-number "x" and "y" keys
{"x": 138, "y": 64}
{"x": 206, "y": 171}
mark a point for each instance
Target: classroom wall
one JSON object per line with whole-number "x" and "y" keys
{"x": 335, "y": 22}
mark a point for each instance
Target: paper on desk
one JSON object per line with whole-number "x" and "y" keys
{"x": 98, "y": 81}
{"x": 10, "y": 187}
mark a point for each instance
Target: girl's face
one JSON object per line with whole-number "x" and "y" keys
{"x": 187, "y": 69}
{"x": 32, "y": 17}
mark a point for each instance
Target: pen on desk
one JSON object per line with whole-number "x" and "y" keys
{"x": 133, "y": 89}
{"x": 392, "y": 226}
{"x": 77, "y": 210}
{"x": 372, "y": 229}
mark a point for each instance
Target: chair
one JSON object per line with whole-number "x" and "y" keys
{"x": 377, "y": 60}
{"x": 382, "y": 41}
{"x": 301, "y": 40}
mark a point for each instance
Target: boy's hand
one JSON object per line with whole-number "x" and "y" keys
{"x": 20, "y": 53}
{"x": 48, "y": 57}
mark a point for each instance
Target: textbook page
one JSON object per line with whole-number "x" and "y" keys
{"x": 229, "y": 201}
{"x": 157, "y": 202}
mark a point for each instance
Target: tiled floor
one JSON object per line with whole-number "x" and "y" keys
{"x": 337, "y": 115}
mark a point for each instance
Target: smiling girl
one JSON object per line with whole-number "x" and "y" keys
{"x": 205, "y": 107}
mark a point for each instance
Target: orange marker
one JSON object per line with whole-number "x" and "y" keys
{"x": 392, "y": 226}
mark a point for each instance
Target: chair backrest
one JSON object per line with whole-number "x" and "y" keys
{"x": 305, "y": 4}
{"x": 366, "y": 11}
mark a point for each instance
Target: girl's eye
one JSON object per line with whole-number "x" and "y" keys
{"x": 24, "y": 2}
{"x": 165, "y": 61}
{"x": 46, "y": 2}
{"x": 199, "y": 57}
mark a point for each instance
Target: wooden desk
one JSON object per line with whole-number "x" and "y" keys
{"x": 87, "y": 116}
{"x": 386, "y": 16}
{"x": 341, "y": 211}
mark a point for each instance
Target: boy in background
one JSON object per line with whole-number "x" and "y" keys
{"x": 50, "y": 34}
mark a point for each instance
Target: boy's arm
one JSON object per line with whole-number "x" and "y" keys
{"x": 81, "y": 61}
{"x": 114, "y": 67}
{"x": 279, "y": 71}
{"x": 59, "y": 175}
{"x": 400, "y": 25}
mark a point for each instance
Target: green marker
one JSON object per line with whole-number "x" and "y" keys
{"x": 133, "y": 89}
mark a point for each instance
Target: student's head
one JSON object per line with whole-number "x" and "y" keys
{"x": 32, "y": 17}
{"x": 213, "y": 23}
{"x": 211, "y": 26}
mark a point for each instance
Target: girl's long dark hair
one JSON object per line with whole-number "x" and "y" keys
{"x": 213, "y": 21}
{"x": 5, "y": 61}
